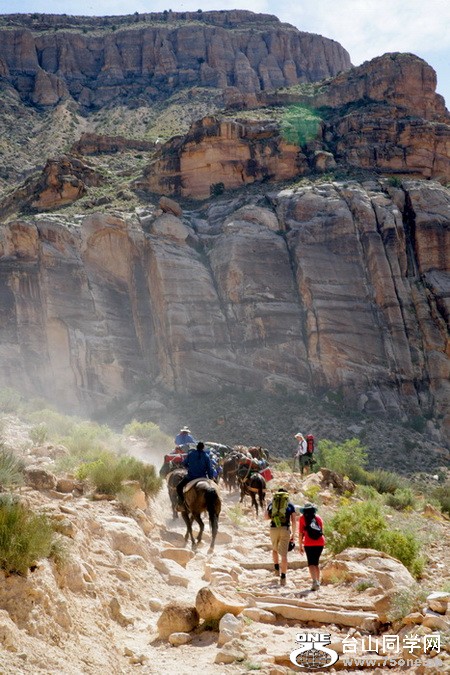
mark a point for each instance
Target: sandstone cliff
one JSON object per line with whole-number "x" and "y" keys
{"x": 334, "y": 287}
{"x": 384, "y": 116}
{"x": 99, "y": 61}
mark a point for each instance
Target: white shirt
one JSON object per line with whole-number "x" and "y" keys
{"x": 301, "y": 450}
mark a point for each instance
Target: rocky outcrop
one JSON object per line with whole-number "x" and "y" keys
{"x": 222, "y": 154}
{"x": 153, "y": 56}
{"x": 62, "y": 181}
{"x": 337, "y": 287}
{"x": 383, "y": 116}
{"x": 97, "y": 144}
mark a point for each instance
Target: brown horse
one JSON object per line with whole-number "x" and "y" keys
{"x": 230, "y": 467}
{"x": 173, "y": 478}
{"x": 202, "y": 496}
{"x": 254, "y": 485}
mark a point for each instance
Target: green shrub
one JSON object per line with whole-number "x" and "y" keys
{"x": 38, "y": 434}
{"x": 403, "y": 498}
{"x": 149, "y": 432}
{"x": 108, "y": 471}
{"x": 406, "y": 601}
{"x": 355, "y": 525}
{"x": 364, "y": 525}
{"x": 25, "y": 537}
{"x": 10, "y": 400}
{"x": 380, "y": 480}
{"x": 144, "y": 473}
{"x": 342, "y": 457}
{"x": 57, "y": 424}
{"x": 442, "y": 495}
{"x": 299, "y": 125}
{"x": 11, "y": 468}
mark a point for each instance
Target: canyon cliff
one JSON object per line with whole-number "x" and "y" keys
{"x": 337, "y": 286}
{"x": 296, "y": 266}
{"x": 98, "y": 61}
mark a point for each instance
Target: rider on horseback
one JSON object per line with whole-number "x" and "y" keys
{"x": 198, "y": 464}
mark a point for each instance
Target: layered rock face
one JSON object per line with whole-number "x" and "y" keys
{"x": 336, "y": 287}
{"x": 383, "y": 116}
{"x": 157, "y": 54}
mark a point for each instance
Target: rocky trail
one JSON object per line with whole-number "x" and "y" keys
{"x": 126, "y": 600}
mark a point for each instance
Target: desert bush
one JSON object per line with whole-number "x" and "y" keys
{"x": 25, "y": 536}
{"x": 10, "y": 400}
{"x": 312, "y": 492}
{"x": 38, "y": 434}
{"x": 364, "y": 525}
{"x": 11, "y": 468}
{"x": 108, "y": 471}
{"x": 380, "y": 480}
{"x": 342, "y": 457}
{"x": 149, "y": 432}
{"x": 144, "y": 473}
{"x": 406, "y": 601}
{"x": 441, "y": 494}
{"x": 57, "y": 424}
{"x": 403, "y": 498}
{"x": 236, "y": 514}
{"x": 299, "y": 125}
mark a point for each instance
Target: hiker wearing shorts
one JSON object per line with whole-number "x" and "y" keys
{"x": 281, "y": 514}
{"x": 311, "y": 540}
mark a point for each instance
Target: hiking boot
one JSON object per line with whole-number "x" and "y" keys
{"x": 315, "y": 585}
{"x": 276, "y": 571}
{"x": 283, "y": 580}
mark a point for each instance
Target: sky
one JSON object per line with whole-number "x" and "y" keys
{"x": 366, "y": 28}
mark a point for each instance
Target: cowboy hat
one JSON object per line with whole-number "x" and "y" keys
{"x": 186, "y": 429}
{"x": 299, "y": 435}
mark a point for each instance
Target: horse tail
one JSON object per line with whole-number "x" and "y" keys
{"x": 212, "y": 500}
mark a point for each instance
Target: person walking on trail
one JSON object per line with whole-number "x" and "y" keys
{"x": 301, "y": 453}
{"x": 281, "y": 514}
{"x": 198, "y": 465}
{"x": 311, "y": 540}
{"x": 184, "y": 437}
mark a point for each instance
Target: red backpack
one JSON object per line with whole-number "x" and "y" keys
{"x": 310, "y": 444}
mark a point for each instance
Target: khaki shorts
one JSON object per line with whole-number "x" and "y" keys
{"x": 280, "y": 537}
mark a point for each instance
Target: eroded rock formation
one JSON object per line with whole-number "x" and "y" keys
{"x": 96, "y": 64}
{"x": 334, "y": 287}
{"x": 384, "y": 115}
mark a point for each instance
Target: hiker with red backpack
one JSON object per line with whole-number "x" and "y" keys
{"x": 304, "y": 454}
{"x": 311, "y": 540}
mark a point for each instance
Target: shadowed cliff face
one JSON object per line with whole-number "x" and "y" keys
{"x": 151, "y": 58}
{"x": 336, "y": 286}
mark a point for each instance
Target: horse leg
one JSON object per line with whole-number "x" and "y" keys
{"x": 187, "y": 519}
{"x": 254, "y": 503}
{"x": 201, "y": 525}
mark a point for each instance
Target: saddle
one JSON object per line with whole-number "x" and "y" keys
{"x": 193, "y": 482}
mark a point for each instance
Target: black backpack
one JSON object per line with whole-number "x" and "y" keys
{"x": 313, "y": 529}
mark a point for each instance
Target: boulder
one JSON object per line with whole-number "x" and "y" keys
{"x": 178, "y": 639}
{"x": 40, "y": 479}
{"x": 180, "y": 555}
{"x": 230, "y": 627}
{"x": 170, "y": 206}
{"x": 133, "y": 496}
{"x": 177, "y": 618}
{"x": 175, "y": 573}
{"x": 356, "y": 564}
{"x": 68, "y": 485}
{"x": 213, "y": 603}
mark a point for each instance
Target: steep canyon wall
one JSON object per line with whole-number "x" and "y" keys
{"x": 336, "y": 287}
